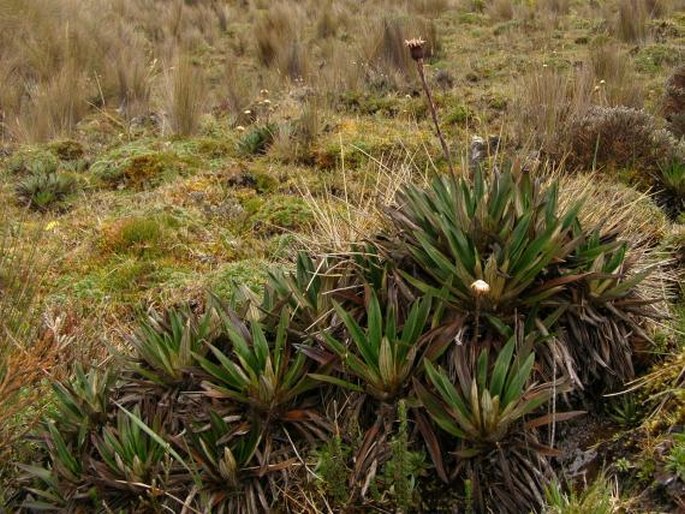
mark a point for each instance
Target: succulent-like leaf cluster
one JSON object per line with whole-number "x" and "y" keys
{"x": 480, "y": 304}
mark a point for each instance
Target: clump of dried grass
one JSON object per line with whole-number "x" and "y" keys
{"x": 186, "y": 96}
{"x": 631, "y": 21}
{"x": 612, "y": 70}
{"x": 548, "y": 100}
{"x": 673, "y": 103}
{"x": 60, "y": 59}
{"x": 279, "y": 40}
{"x": 344, "y": 218}
{"x": 552, "y": 102}
{"x": 387, "y": 63}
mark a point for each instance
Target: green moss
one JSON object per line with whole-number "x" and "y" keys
{"x": 67, "y": 150}
{"x": 226, "y": 281}
{"x": 140, "y": 167}
{"x": 281, "y": 213}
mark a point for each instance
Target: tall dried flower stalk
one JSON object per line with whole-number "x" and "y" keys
{"x": 417, "y": 49}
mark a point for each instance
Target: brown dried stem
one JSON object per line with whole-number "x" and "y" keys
{"x": 416, "y": 48}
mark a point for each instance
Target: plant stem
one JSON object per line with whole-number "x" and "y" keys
{"x": 434, "y": 114}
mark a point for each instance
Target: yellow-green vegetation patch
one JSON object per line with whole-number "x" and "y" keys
{"x": 139, "y": 166}
{"x": 67, "y": 149}
{"x": 226, "y": 280}
{"x": 281, "y": 213}
{"x": 125, "y": 279}
{"x": 33, "y": 160}
{"x": 137, "y": 235}
{"x": 356, "y": 141}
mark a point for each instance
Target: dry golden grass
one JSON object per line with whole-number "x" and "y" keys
{"x": 548, "y": 100}
{"x": 186, "y": 96}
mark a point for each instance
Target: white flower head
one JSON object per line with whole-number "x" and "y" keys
{"x": 480, "y": 287}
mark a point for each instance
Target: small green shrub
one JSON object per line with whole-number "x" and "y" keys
{"x": 597, "y": 498}
{"x": 332, "y": 468}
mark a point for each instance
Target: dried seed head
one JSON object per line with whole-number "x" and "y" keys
{"x": 417, "y": 48}
{"x": 480, "y": 287}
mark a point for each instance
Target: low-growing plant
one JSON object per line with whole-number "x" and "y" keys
{"x": 82, "y": 403}
{"x": 382, "y": 356}
{"x": 167, "y": 347}
{"x": 136, "y": 235}
{"x": 282, "y": 213}
{"x": 264, "y": 376}
{"x": 257, "y": 140}
{"x": 599, "y": 496}
{"x": 33, "y": 161}
{"x": 675, "y": 461}
{"x": 484, "y": 413}
{"x": 333, "y": 470}
{"x": 46, "y": 191}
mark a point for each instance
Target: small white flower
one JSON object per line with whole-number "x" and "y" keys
{"x": 240, "y": 128}
{"x": 480, "y": 287}
{"x": 602, "y": 82}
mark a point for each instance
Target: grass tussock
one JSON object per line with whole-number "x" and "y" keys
{"x": 186, "y": 96}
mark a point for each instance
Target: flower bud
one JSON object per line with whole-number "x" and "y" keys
{"x": 480, "y": 287}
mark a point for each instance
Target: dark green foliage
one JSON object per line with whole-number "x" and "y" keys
{"x": 257, "y": 140}
{"x": 332, "y": 468}
{"x": 626, "y": 410}
{"x": 45, "y": 191}
{"x": 540, "y": 265}
{"x": 478, "y": 304}
{"x": 167, "y": 346}
{"x": 383, "y": 357}
{"x": 34, "y": 162}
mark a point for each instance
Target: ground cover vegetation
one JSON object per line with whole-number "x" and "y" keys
{"x": 240, "y": 273}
